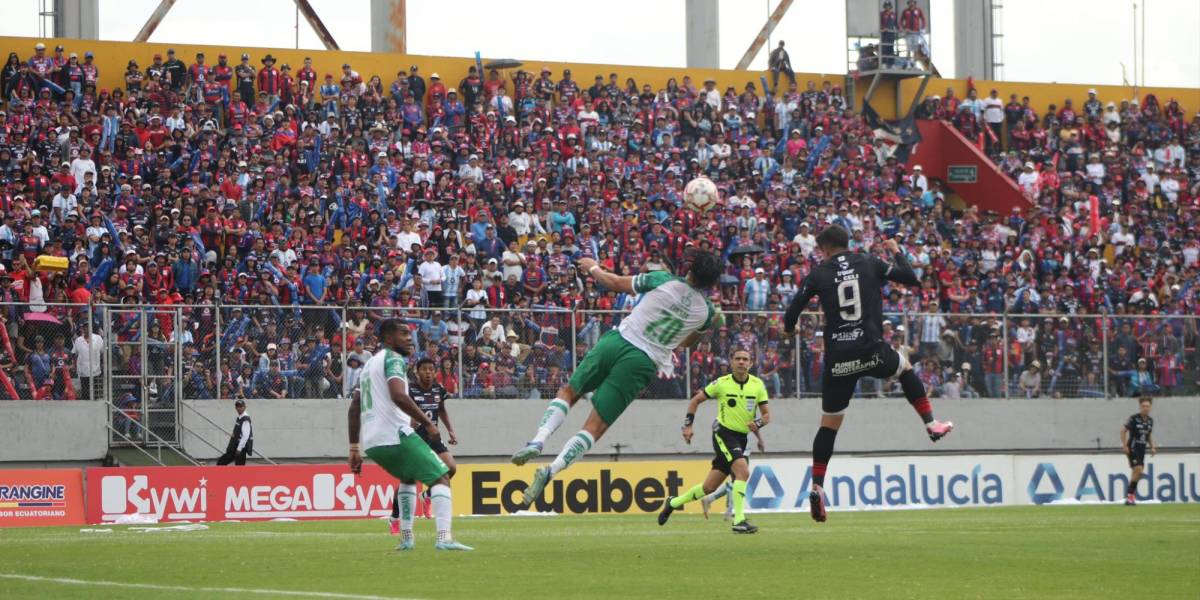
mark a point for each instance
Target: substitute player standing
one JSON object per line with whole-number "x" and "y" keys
{"x": 849, "y": 286}
{"x": 430, "y": 396}
{"x": 671, "y": 312}
{"x": 382, "y": 407}
{"x": 1136, "y": 435}
{"x": 739, "y": 396}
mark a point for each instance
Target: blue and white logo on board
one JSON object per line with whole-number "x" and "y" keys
{"x": 1045, "y": 472}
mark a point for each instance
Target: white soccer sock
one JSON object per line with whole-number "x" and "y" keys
{"x": 406, "y": 499}
{"x": 554, "y": 416}
{"x": 443, "y": 507}
{"x": 575, "y": 448}
{"x": 721, "y": 491}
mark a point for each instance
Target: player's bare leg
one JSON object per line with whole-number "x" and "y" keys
{"x": 1135, "y": 475}
{"x": 721, "y": 491}
{"x": 554, "y": 416}
{"x": 573, "y": 450}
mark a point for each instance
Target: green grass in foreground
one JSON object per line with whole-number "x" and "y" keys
{"x": 1028, "y": 552}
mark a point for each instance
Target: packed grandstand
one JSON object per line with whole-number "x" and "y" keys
{"x": 271, "y": 213}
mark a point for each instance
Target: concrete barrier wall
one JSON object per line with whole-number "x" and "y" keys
{"x": 32, "y": 431}
{"x": 317, "y": 428}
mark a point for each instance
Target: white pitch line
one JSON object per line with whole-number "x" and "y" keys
{"x": 184, "y": 588}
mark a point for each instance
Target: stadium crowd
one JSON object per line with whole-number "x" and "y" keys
{"x": 286, "y": 210}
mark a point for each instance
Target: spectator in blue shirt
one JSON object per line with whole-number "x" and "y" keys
{"x": 757, "y": 291}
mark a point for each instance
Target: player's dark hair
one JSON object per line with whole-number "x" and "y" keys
{"x": 389, "y": 327}
{"x": 706, "y": 269}
{"x": 834, "y": 236}
{"x": 742, "y": 349}
{"x": 1146, "y": 399}
{"x": 426, "y": 361}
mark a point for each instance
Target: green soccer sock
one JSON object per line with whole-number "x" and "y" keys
{"x": 739, "y": 501}
{"x": 696, "y": 493}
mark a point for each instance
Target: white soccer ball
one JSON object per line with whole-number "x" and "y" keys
{"x": 701, "y": 194}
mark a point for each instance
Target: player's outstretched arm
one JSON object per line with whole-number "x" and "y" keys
{"x": 612, "y": 281}
{"x": 899, "y": 271}
{"x": 799, "y": 301}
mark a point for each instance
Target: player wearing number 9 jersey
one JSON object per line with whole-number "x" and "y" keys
{"x": 670, "y": 312}
{"x": 849, "y": 286}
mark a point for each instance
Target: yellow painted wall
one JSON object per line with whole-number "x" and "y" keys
{"x": 111, "y": 57}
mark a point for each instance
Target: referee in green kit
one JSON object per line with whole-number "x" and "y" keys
{"x": 739, "y": 397}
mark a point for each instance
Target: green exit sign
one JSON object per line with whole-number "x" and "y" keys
{"x": 961, "y": 173}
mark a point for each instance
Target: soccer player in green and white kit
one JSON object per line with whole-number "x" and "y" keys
{"x": 382, "y": 407}
{"x": 739, "y": 396}
{"x": 671, "y": 312}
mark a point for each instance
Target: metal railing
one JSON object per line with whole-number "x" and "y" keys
{"x": 158, "y": 358}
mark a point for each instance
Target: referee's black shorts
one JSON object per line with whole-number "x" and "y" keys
{"x": 728, "y": 446}
{"x": 842, "y": 373}
{"x": 438, "y": 446}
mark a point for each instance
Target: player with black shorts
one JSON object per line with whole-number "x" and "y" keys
{"x": 1136, "y": 436}
{"x": 430, "y": 396}
{"x": 849, "y": 286}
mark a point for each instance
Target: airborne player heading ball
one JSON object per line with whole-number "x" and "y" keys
{"x": 849, "y": 286}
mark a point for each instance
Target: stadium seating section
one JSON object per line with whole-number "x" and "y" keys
{"x": 282, "y": 212}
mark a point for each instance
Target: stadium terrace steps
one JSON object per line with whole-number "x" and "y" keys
{"x": 943, "y": 147}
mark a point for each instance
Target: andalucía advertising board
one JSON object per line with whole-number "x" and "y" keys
{"x": 878, "y": 483}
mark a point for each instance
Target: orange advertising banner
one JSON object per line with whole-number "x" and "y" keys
{"x": 40, "y": 497}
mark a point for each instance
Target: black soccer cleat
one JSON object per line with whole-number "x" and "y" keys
{"x": 744, "y": 527}
{"x": 816, "y": 505}
{"x": 666, "y": 513}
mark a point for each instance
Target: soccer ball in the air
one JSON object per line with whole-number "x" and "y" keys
{"x": 700, "y": 194}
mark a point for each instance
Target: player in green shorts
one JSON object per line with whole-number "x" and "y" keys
{"x": 383, "y": 410}
{"x": 739, "y": 396}
{"x": 670, "y": 312}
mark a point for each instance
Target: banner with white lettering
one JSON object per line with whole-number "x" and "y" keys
{"x": 890, "y": 482}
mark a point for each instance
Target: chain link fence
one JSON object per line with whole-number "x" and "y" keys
{"x": 147, "y": 359}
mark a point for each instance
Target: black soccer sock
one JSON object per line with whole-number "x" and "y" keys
{"x": 822, "y": 452}
{"x": 395, "y": 508}
{"x": 1132, "y": 487}
{"x": 914, "y": 391}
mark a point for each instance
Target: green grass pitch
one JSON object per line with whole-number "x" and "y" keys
{"x": 1028, "y": 552}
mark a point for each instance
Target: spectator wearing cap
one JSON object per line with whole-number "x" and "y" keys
{"x": 241, "y": 440}
{"x": 779, "y": 62}
{"x": 757, "y": 291}
{"x": 175, "y": 71}
{"x": 432, "y": 277}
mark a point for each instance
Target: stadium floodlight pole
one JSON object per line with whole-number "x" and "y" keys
{"x": 318, "y": 26}
{"x": 763, "y": 34}
{"x": 155, "y": 19}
